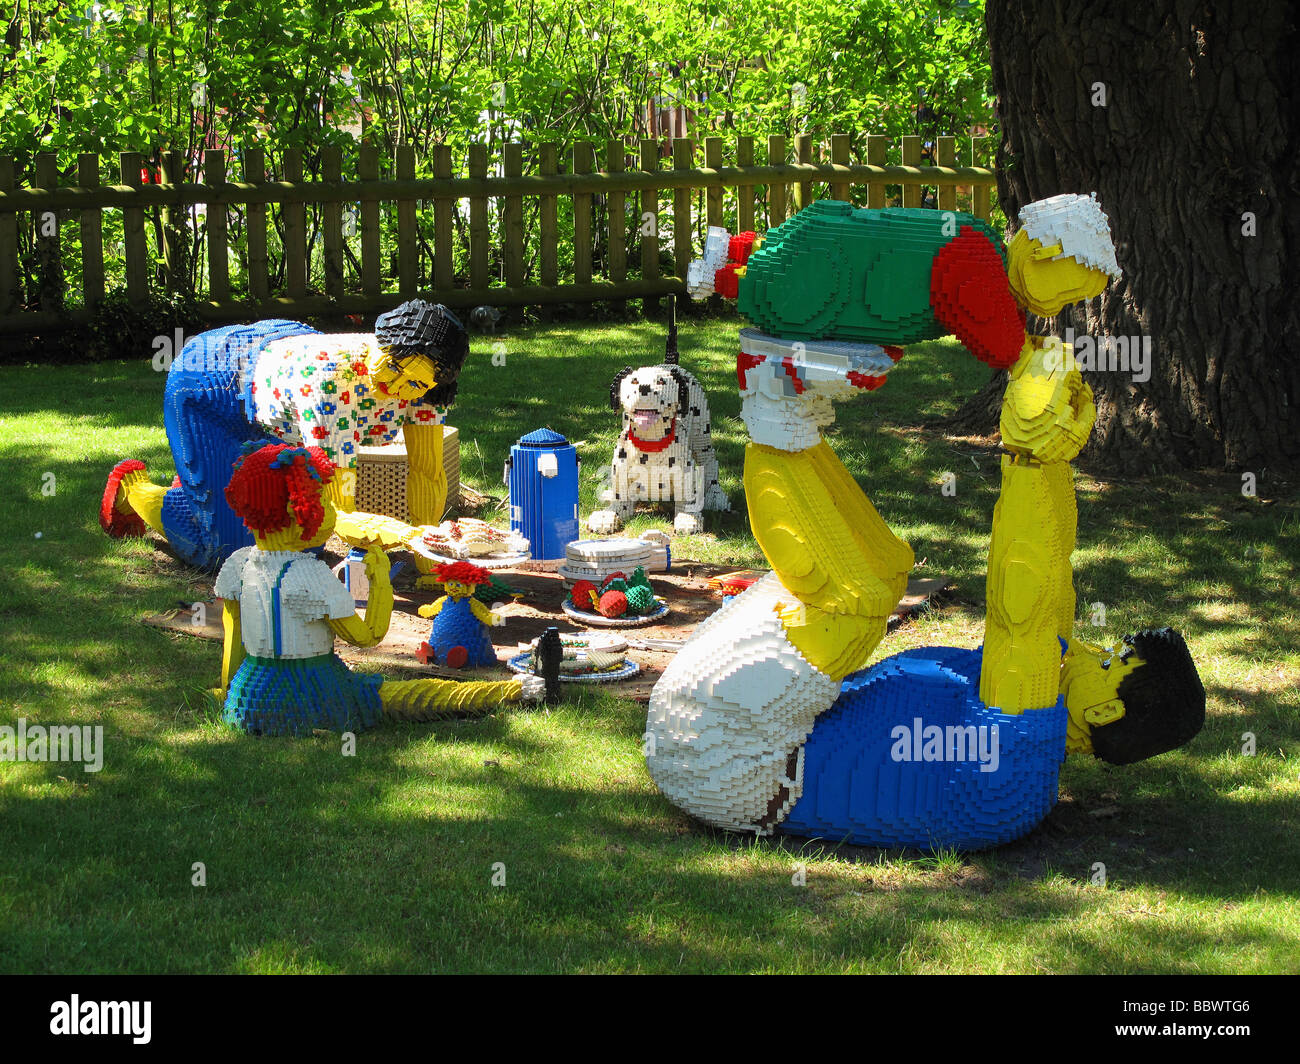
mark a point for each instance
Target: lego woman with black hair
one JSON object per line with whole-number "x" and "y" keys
{"x": 280, "y": 381}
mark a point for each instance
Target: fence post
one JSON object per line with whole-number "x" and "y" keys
{"x": 8, "y": 242}
{"x": 444, "y": 257}
{"x": 134, "y": 250}
{"x": 478, "y": 222}
{"x": 744, "y": 191}
{"x": 804, "y": 153}
{"x": 683, "y": 231}
{"x": 980, "y": 206}
{"x": 877, "y": 147}
{"x": 176, "y": 240}
{"x": 776, "y": 191}
{"x": 259, "y": 287}
{"x": 214, "y": 175}
{"x": 616, "y": 205}
{"x": 911, "y": 157}
{"x": 48, "y": 257}
{"x": 547, "y": 212}
{"x": 408, "y": 248}
{"x": 946, "y": 155}
{"x": 512, "y": 218}
{"x": 368, "y": 170}
{"x": 295, "y": 231}
{"x": 583, "y": 162}
{"x": 649, "y": 225}
{"x": 713, "y": 194}
{"x": 841, "y": 146}
{"x": 92, "y": 234}
{"x": 331, "y": 168}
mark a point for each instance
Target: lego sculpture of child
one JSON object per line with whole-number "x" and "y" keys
{"x": 459, "y": 637}
{"x": 282, "y": 609}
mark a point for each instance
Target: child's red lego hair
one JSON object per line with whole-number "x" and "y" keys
{"x": 270, "y": 480}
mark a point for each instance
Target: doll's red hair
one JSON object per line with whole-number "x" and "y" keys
{"x": 270, "y": 480}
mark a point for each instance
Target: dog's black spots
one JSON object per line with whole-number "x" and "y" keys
{"x": 695, "y": 411}
{"x": 622, "y": 452}
{"x": 617, "y": 495}
{"x": 644, "y": 458}
{"x": 672, "y": 461}
{"x": 645, "y": 388}
{"x": 706, "y": 427}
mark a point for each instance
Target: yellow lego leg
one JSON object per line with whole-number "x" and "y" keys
{"x": 1030, "y": 589}
{"x": 831, "y": 550}
{"x": 138, "y": 493}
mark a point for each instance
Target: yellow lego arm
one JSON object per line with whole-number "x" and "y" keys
{"x": 1030, "y": 592}
{"x": 482, "y": 612}
{"x": 432, "y": 609}
{"x": 232, "y": 655}
{"x": 368, "y": 630}
{"x": 1047, "y": 412}
{"x": 426, "y": 479}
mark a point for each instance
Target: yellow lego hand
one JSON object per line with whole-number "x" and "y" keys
{"x": 429, "y": 609}
{"x": 1048, "y": 410}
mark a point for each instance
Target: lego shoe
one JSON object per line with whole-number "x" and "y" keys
{"x": 1138, "y": 699}
{"x": 115, "y": 514}
{"x": 787, "y": 386}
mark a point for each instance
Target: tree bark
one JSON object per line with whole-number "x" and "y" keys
{"x": 1193, "y": 149}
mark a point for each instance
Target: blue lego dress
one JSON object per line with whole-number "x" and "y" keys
{"x": 456, "y": 626}
{"x": 909, "y": 756}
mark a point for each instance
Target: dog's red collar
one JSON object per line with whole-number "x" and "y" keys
{"x": 653, "y": 445}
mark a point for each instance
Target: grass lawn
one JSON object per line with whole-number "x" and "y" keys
{"x": 383, "y": 861}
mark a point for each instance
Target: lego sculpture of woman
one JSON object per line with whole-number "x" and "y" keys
{"x": 283, "y": 608}
{"x": 281, "y": 381}
{"x": 767, "y": 719}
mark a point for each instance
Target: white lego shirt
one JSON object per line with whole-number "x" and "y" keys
{"x": 315, "y": 390}
{"x": 284, "y": 598}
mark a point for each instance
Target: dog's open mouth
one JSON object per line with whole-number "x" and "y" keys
{"x": 646, "y": 419}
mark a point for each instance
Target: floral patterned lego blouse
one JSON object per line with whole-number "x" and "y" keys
{"x": 315, "y": 390}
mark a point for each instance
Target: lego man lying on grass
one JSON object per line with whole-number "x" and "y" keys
{"x": 767, "y": 719}
{"x": 280, "y": 381}
{"x": 282, "y": 609}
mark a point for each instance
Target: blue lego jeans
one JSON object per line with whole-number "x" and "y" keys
{"x": 208, "y": 418}
{"x": 909, "y": 756}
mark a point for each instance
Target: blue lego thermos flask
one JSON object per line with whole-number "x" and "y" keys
{"x": 542, "y": 473}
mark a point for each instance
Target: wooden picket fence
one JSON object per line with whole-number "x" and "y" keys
{"x": 755, "y": 194}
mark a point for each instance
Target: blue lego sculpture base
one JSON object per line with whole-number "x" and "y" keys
{"x": 909, "y": 756}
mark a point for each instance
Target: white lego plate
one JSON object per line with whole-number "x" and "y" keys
{"x": 523, "y": 663}
{"x": 599, "y": 620}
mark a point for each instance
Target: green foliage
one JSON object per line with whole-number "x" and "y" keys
{"x": 120, "y": 330}
{"x": 188, "y": 76}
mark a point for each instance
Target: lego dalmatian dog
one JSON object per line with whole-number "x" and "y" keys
{"x": 665, "y": 451}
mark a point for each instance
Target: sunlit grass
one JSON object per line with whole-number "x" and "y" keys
{"x": 385, "y": 861}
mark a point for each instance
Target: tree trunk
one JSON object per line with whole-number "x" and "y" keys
{"x": 1192, "y": 151}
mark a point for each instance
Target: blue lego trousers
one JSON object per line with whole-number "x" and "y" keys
{"x": 909, "y": 756}
{"x": 208, "y": 415}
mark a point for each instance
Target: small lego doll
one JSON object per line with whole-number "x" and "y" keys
{"x": 459, "y": 636}
{"x": 282, "y": 609}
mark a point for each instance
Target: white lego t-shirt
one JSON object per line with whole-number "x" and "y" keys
{"x": 315, "y": 390}
{"x": 284, "y": 598}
